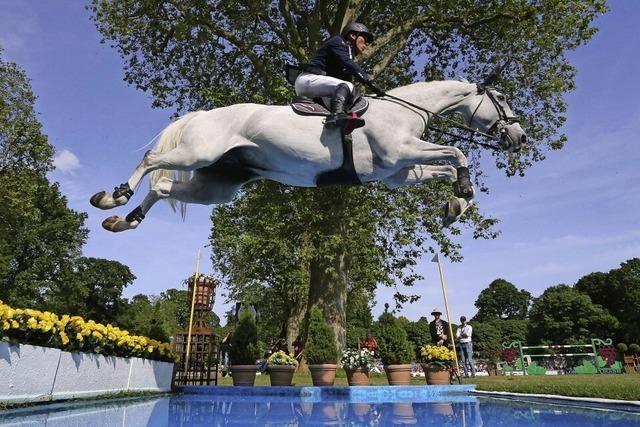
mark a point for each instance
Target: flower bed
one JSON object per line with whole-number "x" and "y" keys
{"x": 45, "y": 357}
{"x": 74, "y": 334}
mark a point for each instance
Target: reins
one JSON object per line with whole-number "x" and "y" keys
{"x": 454, "y": 123}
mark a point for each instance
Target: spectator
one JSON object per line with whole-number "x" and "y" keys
{"x": 370, "y": 343}
{"x": 463, "y": 334}
{"x": 438, "y": 329}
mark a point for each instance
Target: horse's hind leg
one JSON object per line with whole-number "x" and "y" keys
{"x": 200, "y": 189}
{"x": 121, "y": 194}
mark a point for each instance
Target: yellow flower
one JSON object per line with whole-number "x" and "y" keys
{"x": 32, "y": 323}
{"x": 15, "y": 324}
{"x": 6, "y": 325}
{"x": 79, "y": 337}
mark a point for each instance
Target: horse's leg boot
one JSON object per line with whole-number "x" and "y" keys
{"x": 463, "y": 187}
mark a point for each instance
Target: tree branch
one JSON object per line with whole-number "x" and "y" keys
{"x": 242, "y": 46}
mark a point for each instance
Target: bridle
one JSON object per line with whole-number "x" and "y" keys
{"x": 496, "y": 132}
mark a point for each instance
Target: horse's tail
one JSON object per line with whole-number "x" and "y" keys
{"x": 167, "y": 141}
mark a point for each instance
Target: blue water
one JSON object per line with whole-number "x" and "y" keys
{"x": 384, "y": 409}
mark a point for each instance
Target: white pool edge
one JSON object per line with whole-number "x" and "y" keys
{"x": 555, "y": 398}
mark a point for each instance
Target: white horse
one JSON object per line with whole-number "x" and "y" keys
{"x": 213, "y": 153}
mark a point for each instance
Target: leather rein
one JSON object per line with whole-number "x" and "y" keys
{"x": 502, "y": 117}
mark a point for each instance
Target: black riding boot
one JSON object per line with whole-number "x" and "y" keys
{"x": 337, "y": 116}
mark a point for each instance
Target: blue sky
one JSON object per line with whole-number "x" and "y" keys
{"x": 575, "y": 213}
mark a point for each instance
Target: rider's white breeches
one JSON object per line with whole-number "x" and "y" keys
{"x": 316, "y": 85}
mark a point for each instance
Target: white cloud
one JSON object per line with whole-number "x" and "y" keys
{"x": 66, "y": 162}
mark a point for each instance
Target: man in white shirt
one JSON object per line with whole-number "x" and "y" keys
{"x": 463, "y": 334}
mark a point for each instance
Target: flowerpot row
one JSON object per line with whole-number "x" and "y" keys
{"x": 324, "y": 375}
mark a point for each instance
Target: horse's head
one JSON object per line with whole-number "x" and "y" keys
{"x": 493, "y": 115}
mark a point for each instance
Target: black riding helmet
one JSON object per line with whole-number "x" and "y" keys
{"x": 359, "y": 29}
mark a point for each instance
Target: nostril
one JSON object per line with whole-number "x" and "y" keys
{"x": 523, "y": 139}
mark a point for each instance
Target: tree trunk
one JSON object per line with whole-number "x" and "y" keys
{"x": 328, "y": 289}
{"x": 294, "y": 322}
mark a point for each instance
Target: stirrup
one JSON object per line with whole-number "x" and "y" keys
{"x": 335, "y": 120}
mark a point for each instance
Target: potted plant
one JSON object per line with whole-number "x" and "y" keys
{"x": 281, "y": 368}
{"x": 244, "y": 350}
{"x": 357, "y": 364}
{"x": 321, "y": 350}
{"x": 394, "y": 349}
{"x": 436, "y": 363}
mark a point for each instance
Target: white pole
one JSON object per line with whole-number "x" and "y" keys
{"x": 446, "y": 307}
{"x": 193, "y": 304}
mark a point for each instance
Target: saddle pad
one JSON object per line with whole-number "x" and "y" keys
{"x": 308, "y": 107}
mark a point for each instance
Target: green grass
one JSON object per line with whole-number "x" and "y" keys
{"x": 623, "y": 387}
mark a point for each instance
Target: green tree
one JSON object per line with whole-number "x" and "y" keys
{"x": 502, "y": 300}
{"x": 359, "y": 317}
{"x": 40, "y": 237}
{"x": 94, "y": 290}
{"x": 619, "y": 292}
{"x": 562, "y": 315}
{"x": 418, "y": 333}
{"x": 487, "y": 342}
{"x": 205, "y": 54}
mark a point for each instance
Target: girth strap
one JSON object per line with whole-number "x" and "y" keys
{"x": 345, "y": 174}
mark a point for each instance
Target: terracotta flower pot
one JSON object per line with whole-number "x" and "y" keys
{"x": 398, "y": 374}
{"x": 281, "y": 375}
{"x": 324, "y": 374}
{"x": 359, "y": 376}
{"x": 436, "y": 374}
{"x": 403, "y": 414}
{"x": 243, "y": 375}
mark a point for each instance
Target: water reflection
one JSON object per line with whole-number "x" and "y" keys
{"x": 203, "y": 410}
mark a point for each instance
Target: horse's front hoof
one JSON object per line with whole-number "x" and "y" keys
{"x": 96, "y": 199}
{"x": 452, "y": 211}
{"x": 116, "y": 224}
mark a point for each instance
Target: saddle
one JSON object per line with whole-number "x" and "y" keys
{"x": 305, "y": 106}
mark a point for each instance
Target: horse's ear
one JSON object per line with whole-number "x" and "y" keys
{"x": 463, "y": 80}
{"x": 492, "y": 77}
{"x": 495, "y": 74}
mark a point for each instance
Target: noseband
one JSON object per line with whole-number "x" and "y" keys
{"x": 498, "y": 129}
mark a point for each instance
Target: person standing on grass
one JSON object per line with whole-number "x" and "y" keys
{"x": 438, "y": 328}
{"x": 463, "y": 335}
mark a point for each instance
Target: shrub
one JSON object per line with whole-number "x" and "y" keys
{"x": 74, "y": 334}
{"x": 321, "y": 341}
{"x": 634, "y": 348}
{"x": 393, "y": 346}
{"x": 281, "y": 358}
{"x": 622, "y": 347}
{"x": 245, "y": 349}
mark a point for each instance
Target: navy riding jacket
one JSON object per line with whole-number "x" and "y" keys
{"x": 334, "y": 57}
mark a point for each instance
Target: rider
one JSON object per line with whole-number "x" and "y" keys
{"x": 331, "y": 70}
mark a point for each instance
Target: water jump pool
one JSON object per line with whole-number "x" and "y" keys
{"x": 318, "y": 406}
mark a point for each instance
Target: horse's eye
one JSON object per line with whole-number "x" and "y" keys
{"x": 501, "y": 98}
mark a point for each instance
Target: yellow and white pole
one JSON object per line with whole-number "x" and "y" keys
{"x": 446, "y": 308}
{"x": 193, "y": 305}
